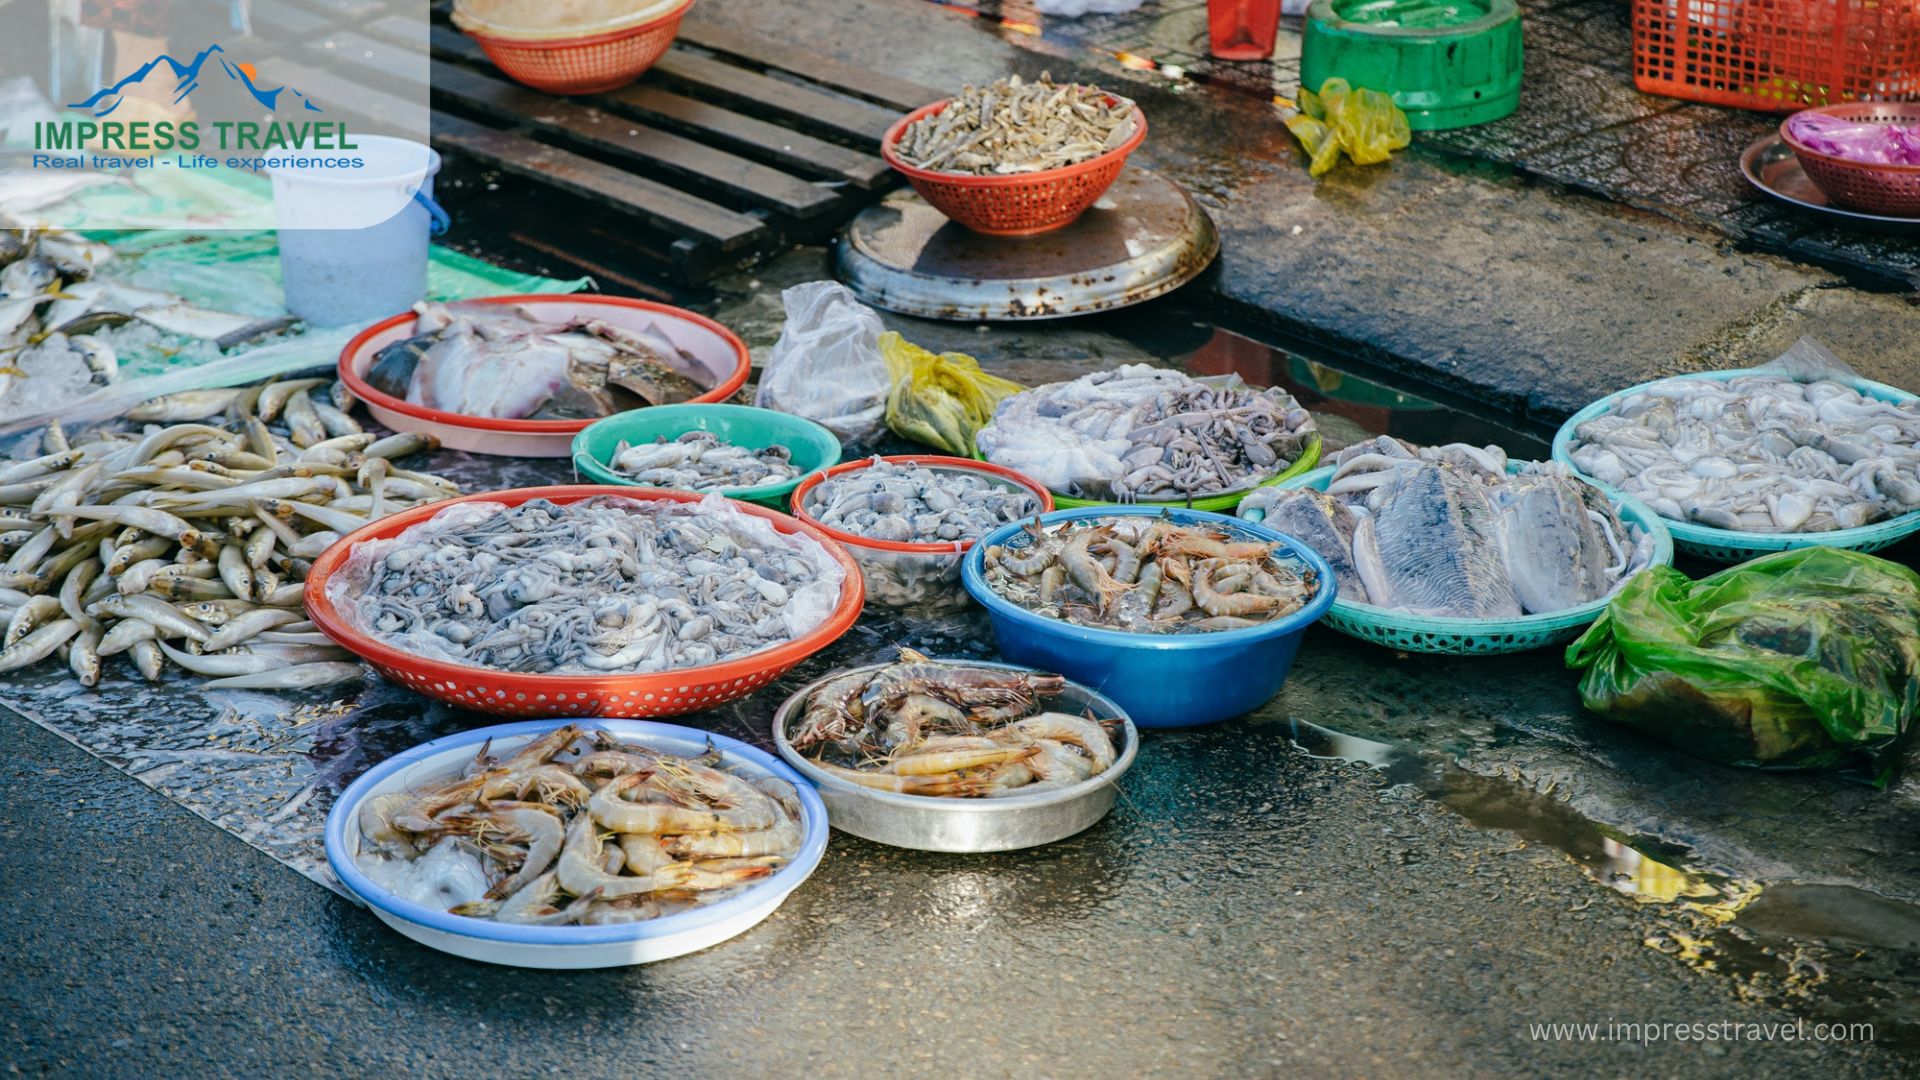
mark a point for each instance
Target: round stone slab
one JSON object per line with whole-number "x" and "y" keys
{"x": 1145, "y": 237}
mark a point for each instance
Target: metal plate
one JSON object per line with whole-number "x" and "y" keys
{"x": 1769, "y": 165}
{"x": 1145, "y": 237}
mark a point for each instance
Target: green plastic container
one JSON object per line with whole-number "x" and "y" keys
{"x": 1447, "y": 63}
{"x": 813, "y": 447}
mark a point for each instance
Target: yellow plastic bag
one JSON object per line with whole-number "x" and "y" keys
{"x": 1364, "y": 123}
{"x": 939, "y": 400}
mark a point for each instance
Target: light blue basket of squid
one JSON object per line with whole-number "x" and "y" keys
{"x": 1733, "y": 545}
{"x": 1408, "y": 632}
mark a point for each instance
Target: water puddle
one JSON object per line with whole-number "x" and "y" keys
{"x": 1826, "y": 952}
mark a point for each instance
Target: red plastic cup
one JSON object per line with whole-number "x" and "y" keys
{"x": 1242, "y": 29}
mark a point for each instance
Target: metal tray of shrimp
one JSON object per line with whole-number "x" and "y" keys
{"x": 941, "y": 823}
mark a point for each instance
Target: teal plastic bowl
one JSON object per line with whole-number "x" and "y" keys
{"x": 1480, "y": 637}
{"x": 1731, "y": 545}
{"x": 813, "y": 447}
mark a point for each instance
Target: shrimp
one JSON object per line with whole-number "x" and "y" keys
{"x": 1214, "y": 602}
{"x": 580, "y": 870}
{"x": 908, "y": 785}
{"x": 1085, "y": 571}
{"x": 833, "y": 713}
{"x": 778, "y": 840}
{"x": 938, "y": 757}
{"x": 530, "y": 824}
{"x": 917, "y": 712}
{"x": 533, "y": 905}
{"x": 1079, "y": 731}
{"x": 1212, "y": 547}
{"x": 744, "y": 809}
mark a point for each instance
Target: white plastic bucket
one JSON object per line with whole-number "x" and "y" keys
{"x": 353, "y": 240}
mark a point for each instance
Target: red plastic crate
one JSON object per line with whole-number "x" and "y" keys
{"x": 1778, "y": 55}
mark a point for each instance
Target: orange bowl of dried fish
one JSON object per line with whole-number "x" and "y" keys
{"x": 1014, "y": 203}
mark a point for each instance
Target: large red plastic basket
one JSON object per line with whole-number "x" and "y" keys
{"x": 593, "y": 64}
{"x": 1777, "y": 54}
{"x": 509, "y": 693}
{"x": 1017, "y": 204}
{"x": 1891, "y": 190}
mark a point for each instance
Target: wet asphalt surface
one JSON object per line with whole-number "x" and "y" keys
{"x": 1246, "y": 909}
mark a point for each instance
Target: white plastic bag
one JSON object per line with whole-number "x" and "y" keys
{"x": 827, "y": 365}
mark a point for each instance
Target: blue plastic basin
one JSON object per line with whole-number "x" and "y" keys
{"x": 1162, "y": 680}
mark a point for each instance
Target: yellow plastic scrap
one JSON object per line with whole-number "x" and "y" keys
{"x": 1364, "y": 123}
{"x": 939, "y": 400}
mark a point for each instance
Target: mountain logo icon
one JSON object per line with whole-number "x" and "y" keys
{"x": 186, "y": 78}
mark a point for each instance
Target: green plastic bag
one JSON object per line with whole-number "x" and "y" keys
{"x": 1804, "y": 659}
{"x": 1364, "y": 123}
{"x": 939, "y": 400}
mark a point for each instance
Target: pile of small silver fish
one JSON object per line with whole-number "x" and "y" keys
{"x": 918, "y": 505}
{"x": 1140, "y": 433}
{"x": 504, "y": 361}
{"x": 1448, "y": 531}
{"x": 577, "y": 827}
{"x": 189, "y": 539}
{"x": 1013, "y": 126}
{"x": 701, "y": 461}
{"x": 926, "y": 727}
{"x": 1758, "y": 453}
{"x": 53, "y": 305}
{"x": 601, "y": 585}
{"x": 1147, "y": 575}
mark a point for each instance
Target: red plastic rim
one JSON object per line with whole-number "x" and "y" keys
{"x": 1064, "y": 172}
{"x": 1863, "y": 111}
{"x": 364, "y": 391}
{"x": 335, "y": 625}
{"x": 799, "y": 503}
{"x": 675, "y": 14}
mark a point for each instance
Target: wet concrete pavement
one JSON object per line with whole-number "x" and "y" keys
{"x": 1246, "y": 910}
{"x": 1463, "y": 274}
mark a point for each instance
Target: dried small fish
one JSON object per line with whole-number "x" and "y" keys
{"x": 1013, "y": 126}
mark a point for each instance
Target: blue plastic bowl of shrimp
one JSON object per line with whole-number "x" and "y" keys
{"x": 1161, "y": 680}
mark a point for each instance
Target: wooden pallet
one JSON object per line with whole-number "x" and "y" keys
{"x": 730, "y": 150}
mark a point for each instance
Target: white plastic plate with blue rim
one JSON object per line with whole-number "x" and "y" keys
{"x": 570, "y": 947}
{"x": 1732, "y": 545}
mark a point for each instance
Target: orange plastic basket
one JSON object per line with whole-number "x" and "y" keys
{"x": 1777, "y": 54}
{"x": 1018, "y": 204}
{"x": 510, "y": 693}
{"x": 1891, "y": 190}
{"x": 593, "y": 64}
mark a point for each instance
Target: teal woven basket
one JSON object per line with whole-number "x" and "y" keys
{"x": 1479, "y": 637}
{"x": 1731, "y": 545}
